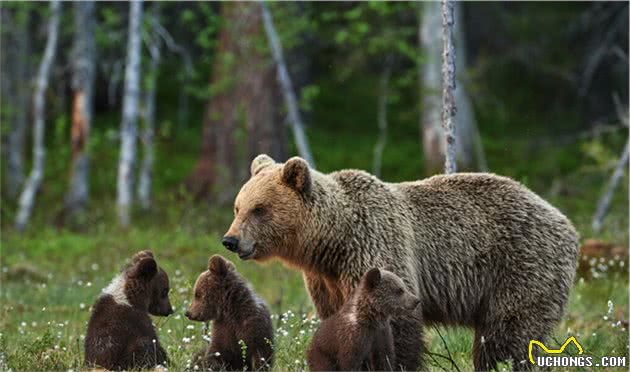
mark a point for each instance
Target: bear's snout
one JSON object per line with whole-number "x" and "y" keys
{"x": 230, "y": 242}
{"x": 189, "y": 315}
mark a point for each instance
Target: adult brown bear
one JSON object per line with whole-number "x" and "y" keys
{"x": 479, "y": 250}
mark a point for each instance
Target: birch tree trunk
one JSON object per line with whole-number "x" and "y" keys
{"x": 448, "y": 86}
{"x": 468, "y": 146}
{"x": 33, "y": 183}
{"x": 130, "y": 115}
{"x": 433, "y": 144}
{"x": 383, "y": 96}
{"x": 16, "y": 83}
{"x": 84, "y": 65}
{"x": 604, "y": 202}
{"x": 148, "y": 132}
{"x": 287, "y": 88}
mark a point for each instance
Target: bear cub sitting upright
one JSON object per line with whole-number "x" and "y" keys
{"x": 239, "y": 316}
{"x": 120, "y": 334}
{"x": 359, "y": 335}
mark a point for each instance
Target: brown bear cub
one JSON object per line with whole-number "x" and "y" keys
{"x": 120, "y": 334}
{"x": 359, "y": 335}
{"x": 242, "y": 332}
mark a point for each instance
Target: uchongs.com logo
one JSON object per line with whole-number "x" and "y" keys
{"x": 553, "y": 359}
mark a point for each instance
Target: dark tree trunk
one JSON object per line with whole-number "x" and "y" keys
{"x": 243, "y": 96}
{"x": 16, "y": 84}
{"x": 83, "y": 71}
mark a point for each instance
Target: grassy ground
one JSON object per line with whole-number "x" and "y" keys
{"x": 46, "y": 298}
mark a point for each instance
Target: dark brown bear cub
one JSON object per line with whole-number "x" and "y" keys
{"x": 359, "y": 335}
{"x": 120, "y": 334}
{"x": 241, "y": 320}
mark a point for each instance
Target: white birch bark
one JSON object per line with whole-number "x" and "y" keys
{"x": 383, "y": 96}
{"x": 433, "y": 144}
{"x": 286, "y": 86}
{"x": 604, "y": 202}
{"x": 83, "y": 66}
{"x": 130, "y": 115}
{"x": 468, "y": 146}
{"x": 33, "y": 183}
{"x": 448, "y": 86}
{"x": 148, "y": 132}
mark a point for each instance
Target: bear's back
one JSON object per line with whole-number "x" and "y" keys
{"x": 111, "y": 329}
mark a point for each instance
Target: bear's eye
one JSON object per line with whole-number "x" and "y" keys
{"x": 236, "y": 210}
{"x": 197, "y": 295}
{"x": 259, "y": 210}
{"x": 400, "y": 291}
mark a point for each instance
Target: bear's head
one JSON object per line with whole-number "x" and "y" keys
{"x": 210, "y": 291}
{"x": 159, "y": 303}
{"x": 270, "y": 208}
{"x": 385, "y": 293}
{"x": 134, "y": 286}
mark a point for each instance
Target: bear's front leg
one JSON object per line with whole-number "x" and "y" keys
{"x": 408, "y": 341}
{"x": 383, "y": 356}
{"x": 327, "y": 300}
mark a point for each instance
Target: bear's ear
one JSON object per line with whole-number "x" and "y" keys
{"x": 142, "y": 254}
{"x": 297, "y": 175}
{"x": 145, "y": 268}
{"x": 219, "y": 265}
{"x": 372, "y": 278}
{"x": 259, "y": 163}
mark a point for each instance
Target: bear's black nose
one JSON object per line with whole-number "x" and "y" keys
{"x": 230, "y": 242}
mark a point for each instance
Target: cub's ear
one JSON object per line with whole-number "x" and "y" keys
{"x": 146, "y": 268}
{"x": 297, "y": 175}
{"x": 142, "y": 254}
{"x": 259, "y": 163}
{"x": 372, "y": 278}
{"x": 219, "y": 265}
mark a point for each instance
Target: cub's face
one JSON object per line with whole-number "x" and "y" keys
{"x": 388, "y": 292}
{"x": 209, "y": 290}
{"x": 160, "y": 305}
{"x": 269, "y": 209}
{"x": 137, "y": 283}
{"x": 158, "y": 286}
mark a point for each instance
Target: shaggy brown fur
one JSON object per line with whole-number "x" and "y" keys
{"x": 359, "y": 335}
{"x": 479, "y": 250}
{"x": 238, "y": 315}
{"x": 120, "y": 334}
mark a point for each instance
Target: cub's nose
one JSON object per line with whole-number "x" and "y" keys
{"x": 187, "y": 313}
{"x": 230, "y": 242}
